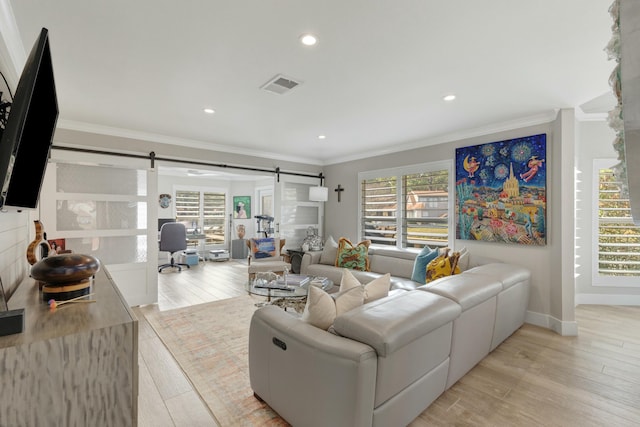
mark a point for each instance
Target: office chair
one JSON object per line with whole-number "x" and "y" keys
{"x": 173, "y": 238}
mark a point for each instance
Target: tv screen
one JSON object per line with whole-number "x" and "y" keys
{"x": 26, "y": 140}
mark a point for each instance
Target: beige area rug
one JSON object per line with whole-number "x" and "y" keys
{"x": 210, "y": 342}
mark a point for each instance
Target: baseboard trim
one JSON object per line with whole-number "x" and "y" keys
{"x": 607, "y": 299}
{"x": 564, "y": 328}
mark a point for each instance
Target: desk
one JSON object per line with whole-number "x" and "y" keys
{"x": 201, "y": 238}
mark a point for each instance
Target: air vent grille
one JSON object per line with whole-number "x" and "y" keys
{"x": 280, "y": 84}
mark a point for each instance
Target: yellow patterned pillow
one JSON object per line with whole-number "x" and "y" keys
{"x": 442, "y": 266}
{"x": 353, "y": 257}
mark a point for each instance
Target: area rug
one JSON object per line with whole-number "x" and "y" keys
{"x": 210, "y": 342}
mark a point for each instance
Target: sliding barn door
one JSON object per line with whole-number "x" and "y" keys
{"x": 101, "y": 206}
{"x": 296, "y": 213}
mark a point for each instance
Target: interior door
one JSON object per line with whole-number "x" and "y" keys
{"x": 296, "y": 213}
{"x": 101, "y": 206}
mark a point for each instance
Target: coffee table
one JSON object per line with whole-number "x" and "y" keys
{"x": 285, "y": 298}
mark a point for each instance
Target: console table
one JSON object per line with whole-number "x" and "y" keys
{"x": 75, "y": 366}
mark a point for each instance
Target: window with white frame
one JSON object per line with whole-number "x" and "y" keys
{"x": 202, "y": 212}
{"x": 616, "y": 245}
{"x": 407, "y": 207}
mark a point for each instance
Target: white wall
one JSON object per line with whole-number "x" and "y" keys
{"x": 594, "y": 142}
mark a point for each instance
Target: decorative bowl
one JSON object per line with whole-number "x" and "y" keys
{"x": 65, "y": 268}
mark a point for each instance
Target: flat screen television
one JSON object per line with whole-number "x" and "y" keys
{"x": 26, "y": 140}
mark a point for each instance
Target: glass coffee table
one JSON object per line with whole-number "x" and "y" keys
{"x": 295, "y": 296}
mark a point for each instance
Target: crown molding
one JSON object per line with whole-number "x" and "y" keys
{"x": 523, "y": 122}
{"x": 533, "y": 120}
{"x": 170, "y": 140}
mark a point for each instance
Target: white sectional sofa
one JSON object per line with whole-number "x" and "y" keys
{"x": 388, "y": 360}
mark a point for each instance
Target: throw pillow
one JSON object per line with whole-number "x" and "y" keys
{"x": 425, "y": 256}
{"x": 463, "y": 261}
{"x": 375, "y": 289}
{"x": 265, "y": 247}
{"x": 329, "y": 252}
{"x": 353, "y": 257}
{"x": 322, "y": 309}
{"x": 442, "y": 266}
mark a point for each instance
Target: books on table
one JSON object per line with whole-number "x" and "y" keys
{"x": 320, "y": 281}
{"x": 294, "y": 279}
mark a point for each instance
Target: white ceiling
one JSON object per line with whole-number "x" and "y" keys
{"x": 374, "y": 82}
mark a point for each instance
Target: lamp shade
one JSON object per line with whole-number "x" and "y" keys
{"x": 318, "y": 194}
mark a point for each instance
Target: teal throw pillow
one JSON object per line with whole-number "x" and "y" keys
{"x": 420, "y": 265}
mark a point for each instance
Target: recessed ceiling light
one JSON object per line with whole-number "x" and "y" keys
{"x": 321, "y": 136}
{"x": 308, "y": 39}
{"x": 449, "y": 97}
{"x": 209, "y": 110}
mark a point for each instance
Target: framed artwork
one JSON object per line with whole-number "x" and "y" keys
{"x": 241, "y": 207}
{"x": 501, "y": 191}
{"x": 57, "y": 246}
{"x": 164, "y": 200}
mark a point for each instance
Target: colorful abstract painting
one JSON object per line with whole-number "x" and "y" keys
{"x": 501, "y": 191}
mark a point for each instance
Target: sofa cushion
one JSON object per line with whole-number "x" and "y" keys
{"x": 465, "y": 289}
{"x": 425, "y": 256}
{"x": 329, "y": 252}
{"x": 321, "y": 308}
{"x": 398, "y": 262}
{"x": 355, "y": 257}
{"x": 375, "y": 289}
{"x": 507, "y": 274}
{"x": 391, "y": 323}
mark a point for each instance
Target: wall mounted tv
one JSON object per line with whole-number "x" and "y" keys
{"x": 27, "y": 138}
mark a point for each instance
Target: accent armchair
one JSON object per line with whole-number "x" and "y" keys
{"x": 265, "y": 254}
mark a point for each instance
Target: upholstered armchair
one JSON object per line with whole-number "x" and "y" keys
{"x": 265, "y": 254}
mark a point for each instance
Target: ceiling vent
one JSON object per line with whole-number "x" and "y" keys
{"x": 280, "y": 85}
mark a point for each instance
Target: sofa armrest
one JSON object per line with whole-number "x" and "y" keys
{"x": 310, "y": 376}
{"x": 309, "y": 258}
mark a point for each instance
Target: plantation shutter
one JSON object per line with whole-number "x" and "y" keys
{"x": 426, "y": 209}
{"x": 214, "y": 217}
{"x": 618, "y": 237}
{"x": 202, "y": 213}
{"x": 380, "y": 210}
{"x": 188, "y": 209}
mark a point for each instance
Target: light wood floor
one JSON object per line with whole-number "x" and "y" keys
{"x": 165, "y": 395}
{"x": 534, "y": 378}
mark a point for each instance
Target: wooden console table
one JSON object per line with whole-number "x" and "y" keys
{"x": 75, "y": 366}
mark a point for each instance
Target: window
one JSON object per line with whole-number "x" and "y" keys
{"x": 414, "y": 200}
{"x": 616, "y": 239}
{"x": 202, "y": 212}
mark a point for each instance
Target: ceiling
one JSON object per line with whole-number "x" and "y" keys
{"x": 374, "y": 82}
